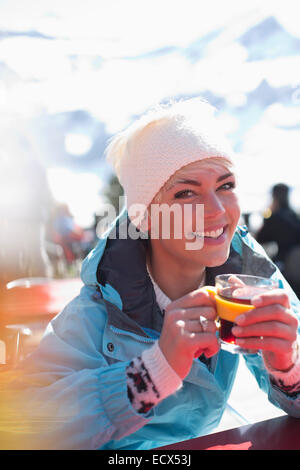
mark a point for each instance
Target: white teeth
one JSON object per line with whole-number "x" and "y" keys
{"x": 212, "y": 234}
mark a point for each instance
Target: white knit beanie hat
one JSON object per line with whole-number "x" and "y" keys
{"x": 158, "y": 144}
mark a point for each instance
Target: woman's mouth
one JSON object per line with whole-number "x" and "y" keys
{"x": 212, "y": 234}
{"x": 212, "y": 237}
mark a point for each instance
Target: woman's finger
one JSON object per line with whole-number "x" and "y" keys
{"x": 193, "y": 313}
{"x": 274, "y": 312}
{"x": 267, "y": 329}
{"x": 201, "y": 326}
{"x": 206, "y": 343}
{"x": 276, "y": 345}
{"x": 275, "y": 296}
{"x": 236, "y": 281}
{"x": 199, "y": 297}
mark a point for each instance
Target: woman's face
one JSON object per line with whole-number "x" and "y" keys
{"x": 205, "y": 239}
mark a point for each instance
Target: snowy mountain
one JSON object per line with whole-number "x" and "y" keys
{"x": 275, "y": 40}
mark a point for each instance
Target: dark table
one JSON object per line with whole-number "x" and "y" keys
{"x": 282, "y": 433}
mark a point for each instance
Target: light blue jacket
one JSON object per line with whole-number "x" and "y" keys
{"x": 78, "y": 370}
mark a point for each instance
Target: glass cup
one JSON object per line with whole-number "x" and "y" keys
{"x": 233, "y": 294}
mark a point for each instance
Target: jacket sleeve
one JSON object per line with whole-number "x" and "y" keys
{"x": 289, "y": 403}
{"x": 72, "y": 398}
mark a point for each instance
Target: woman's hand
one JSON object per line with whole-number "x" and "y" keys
{"x": 270, "y": 327}
{"x": 189, "y": 330}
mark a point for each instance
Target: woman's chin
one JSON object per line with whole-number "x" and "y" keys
{"x": 216, "y": 260}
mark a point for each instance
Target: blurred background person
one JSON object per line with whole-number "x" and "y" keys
{"x": 25, "y": 204}
{"x": 282, "y": 225}
{"x": 65, "y": 232}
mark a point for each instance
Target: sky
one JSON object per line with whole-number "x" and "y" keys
{"x": 116, "y": 58}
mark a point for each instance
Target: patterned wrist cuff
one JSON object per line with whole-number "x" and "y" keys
{"x": 141, "y": 390}
{"x": 165, "y": 378}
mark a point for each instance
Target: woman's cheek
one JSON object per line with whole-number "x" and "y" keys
{"x": 233, "y": 210}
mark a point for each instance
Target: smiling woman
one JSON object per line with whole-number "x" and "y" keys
{"x": 209, "y": 183}
{"x": 134, "y": 361}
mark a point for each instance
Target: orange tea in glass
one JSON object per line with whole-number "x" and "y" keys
{"x": 233, "y": 296}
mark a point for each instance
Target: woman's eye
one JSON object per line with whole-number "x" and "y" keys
{"x": 184, "y": 193}
{"x": 229, "y": 185}
{"x": 187, "y": 193}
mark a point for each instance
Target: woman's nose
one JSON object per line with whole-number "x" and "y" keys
{"x": 213, "y": 206}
